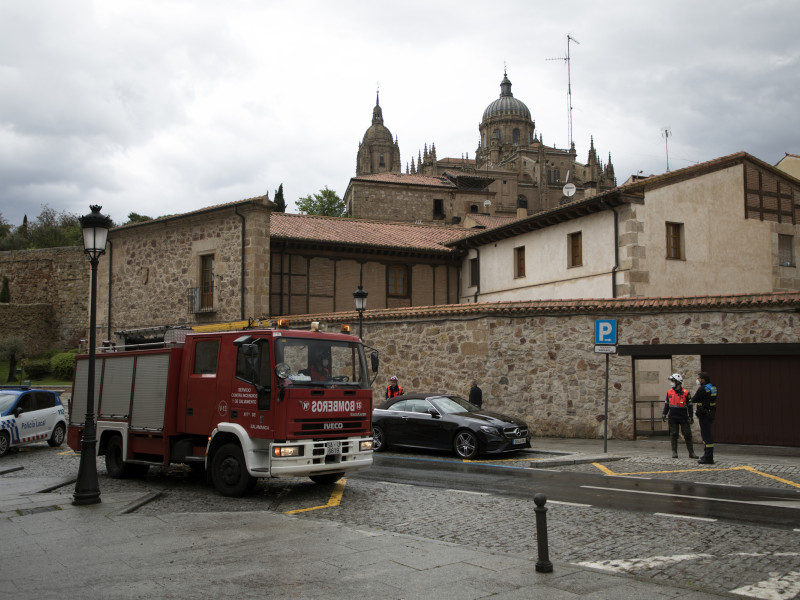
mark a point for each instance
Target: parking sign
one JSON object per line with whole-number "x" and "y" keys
{"x": 605, "y": 331}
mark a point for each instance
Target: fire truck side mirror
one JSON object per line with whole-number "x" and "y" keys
{"x": 373, "y": 358}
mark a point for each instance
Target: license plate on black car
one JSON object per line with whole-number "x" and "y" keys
{"x": 517, "y": 441}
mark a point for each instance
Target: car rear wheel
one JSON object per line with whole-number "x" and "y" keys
{"x": 466, "y": 444}
{"x": 378, "y": 439}
{"x": 5, "y": 443}
{"x": 57, "y": 438}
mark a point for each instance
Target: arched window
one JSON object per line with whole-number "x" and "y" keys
{"x": 473, "y": 208}
{"x": 549, "y": 176}
{"x": 383, "y": 164}
{"x": 558, "y": 175}
{"x": 498, "y": 135}
{"x": 516, "y": 136}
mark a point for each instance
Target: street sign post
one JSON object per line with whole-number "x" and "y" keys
{"x": 605, "y": 340}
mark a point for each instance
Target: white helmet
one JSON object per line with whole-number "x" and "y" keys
{"x": 676, "y": 377}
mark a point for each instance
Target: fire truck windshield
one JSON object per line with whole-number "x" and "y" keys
{"x": 322, "y": 363}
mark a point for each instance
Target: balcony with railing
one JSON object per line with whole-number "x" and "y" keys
{"x": 201, "y": 299}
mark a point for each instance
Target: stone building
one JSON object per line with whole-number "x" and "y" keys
{"x": 514, "y": 173}
{"x": 727, "y": 226}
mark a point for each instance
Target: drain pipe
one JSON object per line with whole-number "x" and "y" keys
{"x": 241, "y": 280}
{"x": 110, "y": 266}
{"x": 478, "y": 287}
{"x": 616, "y": 249}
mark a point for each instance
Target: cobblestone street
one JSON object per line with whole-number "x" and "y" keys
{"x": 718, "y": 557}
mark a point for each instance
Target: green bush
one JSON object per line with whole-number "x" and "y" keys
{"x": 37, "y": 369}
{"x": 48, "y": 354}
{"x": 63, "y": 364}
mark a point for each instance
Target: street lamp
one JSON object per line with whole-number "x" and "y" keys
{"x": 360, "y": 297}
{"x": 95, "y": 233}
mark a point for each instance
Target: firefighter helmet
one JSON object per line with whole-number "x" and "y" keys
{"x": 676, "y": 377}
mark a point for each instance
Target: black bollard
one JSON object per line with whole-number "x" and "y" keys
{"x": 543, "y": 565}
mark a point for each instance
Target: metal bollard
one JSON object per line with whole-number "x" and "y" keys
{"x": 543, "y": 565}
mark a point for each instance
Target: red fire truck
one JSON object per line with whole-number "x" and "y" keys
{"x": 238, "y": 405}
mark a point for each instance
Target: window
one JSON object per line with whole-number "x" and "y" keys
{"x": 675, "y": 241}
{"x": 575, "y": 249}
{"x": 205, "y": 357}
{"x": 438, "y": 208}
{"x": 515, "y": 136}
{"x": 382, "y": 163}
{"x": 207, "y": 282}
{"x": 519, "y": 262}
{"x": 522, "y": 201}
{"x": 474, "y": 272}
{"x": 558, "y": 175}
{"x": 786, "y": 250}
{"x": 473, "y": 208}
{"x": 498, "y": 135}
{"x": 397, "y": 281}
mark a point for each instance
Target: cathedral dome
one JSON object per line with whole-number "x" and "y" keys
{"x": 506, "y": 104}
{"x": 378, "y": 132}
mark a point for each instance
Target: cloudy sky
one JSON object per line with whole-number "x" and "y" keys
{"x": 165, "y": 106}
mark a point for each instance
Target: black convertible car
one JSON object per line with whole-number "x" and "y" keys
{"x": 445, "y": 422}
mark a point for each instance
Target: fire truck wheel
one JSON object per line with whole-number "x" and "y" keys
{"x": 327, "y": 478}
{"x": 378, "y": 439}
{"x": 57, "y": 438}
{"x": 5, "y": 443}
{"x": 229, "y": 472}
{"x": 116, "y": 466}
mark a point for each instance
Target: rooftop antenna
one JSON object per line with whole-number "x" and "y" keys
{"x": 666, "y": 133}
{"x": 569, "y": 87}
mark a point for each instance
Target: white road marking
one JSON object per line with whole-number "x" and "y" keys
{"x": 569, "y": 503}
{"x": 674, "y": 516}
{"x": 635, "y": 564}
{"x": 469, "y": 492}
{"x": 788, "y": 504}
{"x": 775, "y": 588}
{"x": 717, "y": 484}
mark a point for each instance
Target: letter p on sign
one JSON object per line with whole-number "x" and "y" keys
{"x": 605, "y": 331}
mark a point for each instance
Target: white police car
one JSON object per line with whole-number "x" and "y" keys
{"x": 28, "y": 416}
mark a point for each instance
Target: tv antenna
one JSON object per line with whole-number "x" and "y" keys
{"x": 666, "y": 133}
{"x": 569, "y": 88}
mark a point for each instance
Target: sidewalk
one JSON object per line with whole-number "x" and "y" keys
{"x": 52, "y": 549}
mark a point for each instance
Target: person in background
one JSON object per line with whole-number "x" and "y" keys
{"x": 394, "y": 388}
{"x": 678, "y": 406}
{"x": 475, "y": 394}
{"x": 705, "y": 399}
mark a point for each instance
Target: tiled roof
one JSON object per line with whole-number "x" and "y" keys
{"x": 490, "y": 221}
{"x": 363, "y": 232}
{"x": 406, "y": 179}
{"x": 731, "y": 303}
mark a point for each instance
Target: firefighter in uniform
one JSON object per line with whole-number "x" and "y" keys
{"x": 394, "y": 388}
{"x": 705, "y": 399}
{"x": 678, "y": 406}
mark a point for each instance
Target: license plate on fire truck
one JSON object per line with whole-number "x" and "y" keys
{"x": 333, "y": 447}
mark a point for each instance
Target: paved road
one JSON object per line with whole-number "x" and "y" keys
{"x": 716, "y": 556}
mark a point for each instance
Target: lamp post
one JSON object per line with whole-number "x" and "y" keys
{"x": 95, "y": 233}
{"x": 360, "y": 297}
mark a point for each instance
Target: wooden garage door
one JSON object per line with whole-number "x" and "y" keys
{"x": 759, "y": 399}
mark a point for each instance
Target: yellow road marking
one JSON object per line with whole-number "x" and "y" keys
{"x": 608, "y": 471}
{"x": 334, "y": 500}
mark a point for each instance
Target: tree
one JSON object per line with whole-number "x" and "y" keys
{"x": 325, "y": 204}
{"x": 280, "y": 203}
{"x": 5, "y": 228}
{"x": 11, "y": 350}
{"x": 137, "y": 218}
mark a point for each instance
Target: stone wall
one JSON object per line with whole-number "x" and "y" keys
{"x": 34, "y": 324}
{"x": 536, "y": 360}
{"x": 58, "y": 277}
